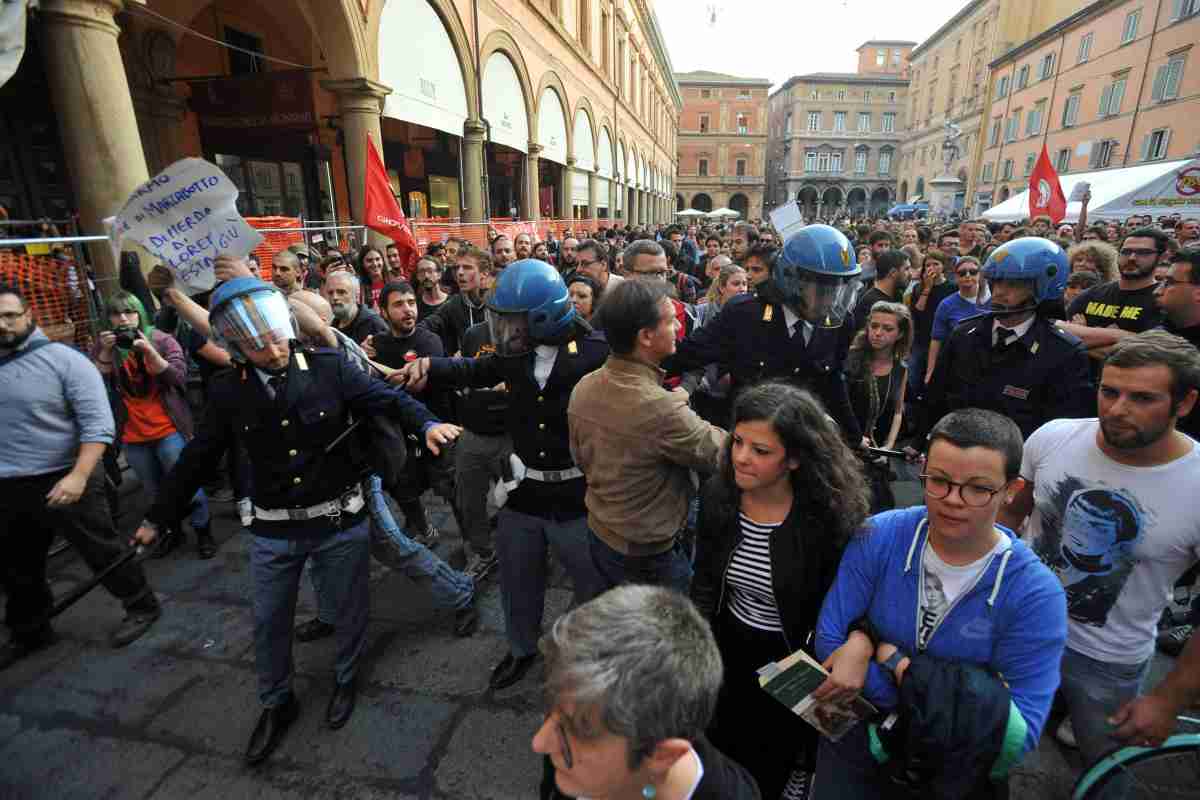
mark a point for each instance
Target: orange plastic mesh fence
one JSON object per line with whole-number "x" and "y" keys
{"x": 57, "y": 290}
{"x": 274, "y": 242}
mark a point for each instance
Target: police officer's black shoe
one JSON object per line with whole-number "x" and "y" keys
{"x": 466, "y": 620}
{"x": 510, "y": 670}
{"x": 268, "y": 733}
{"x": 341, "y": 705}
{"x": 314, "y": 629}
{"x": 206, "y": 545}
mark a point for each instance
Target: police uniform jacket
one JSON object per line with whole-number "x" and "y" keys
{"x": 286, "y": 438}
{"x": 749, "y": 340}
{"x": 1041, "y": 376}
{"x": 536, "y": 417}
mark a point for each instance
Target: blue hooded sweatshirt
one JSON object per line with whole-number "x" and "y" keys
{"x": 1012, "y": 620}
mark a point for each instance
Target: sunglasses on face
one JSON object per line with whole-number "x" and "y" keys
{"x": 964, "y": 273}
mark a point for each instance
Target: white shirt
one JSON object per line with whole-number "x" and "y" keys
{"x": 544, "y": 356}
{"x": 942, "y": 584}
{"x": 266, "y": 377}
{"x": 1117, "y": 536}
{"x": 791, "y": 318}
{"x": 1020, "y": 330}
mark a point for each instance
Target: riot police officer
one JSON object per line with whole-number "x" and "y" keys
{"x": 291, "y": 408}
{"x": 542, "y": 349}
{"x": 794, "y": 327}
{"x": 1012, "y": 359}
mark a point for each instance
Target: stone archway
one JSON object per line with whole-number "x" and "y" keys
{"x": 702, "y": 202}
{"x": 903, "y": 191}
{"x": 920, "y": 190}
{"x": 856, "y": 201}
{"x": 831, "y": 201}
{"x": 881, "y": 200}
{"x": 741, "y": 204}
{"x": 807, "y": 198}
{"x": 680, "y": 204}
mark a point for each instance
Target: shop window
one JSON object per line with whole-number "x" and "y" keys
{"x": 243, "y": 63}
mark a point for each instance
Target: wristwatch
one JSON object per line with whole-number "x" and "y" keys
{"x": 893, "y": 662}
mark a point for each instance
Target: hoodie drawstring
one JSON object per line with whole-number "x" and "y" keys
{"x": 912, "y": 548}
{"x": 999, "y": 577}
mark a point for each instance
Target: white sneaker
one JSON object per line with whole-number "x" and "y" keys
{"x": 1065, "y": 733}
{"x": 246, "y": 511}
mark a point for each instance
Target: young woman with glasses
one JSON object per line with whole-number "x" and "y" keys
{"x": 967, "y": 302}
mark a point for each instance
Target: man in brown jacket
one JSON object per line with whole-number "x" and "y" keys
{"x": 636, "y": 443}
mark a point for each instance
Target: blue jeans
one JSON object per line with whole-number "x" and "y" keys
{"x": 340, "y": 572}
{"x": 153, "y": 460}
{"x": 671, "y": 568}
{"x": 1093, "y": 691}
{"x": 391, "y": 546}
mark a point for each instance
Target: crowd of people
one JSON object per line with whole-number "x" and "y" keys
{"x": 703, "y": 425}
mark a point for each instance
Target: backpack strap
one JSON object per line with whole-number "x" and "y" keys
{"x": 33, "y": 347}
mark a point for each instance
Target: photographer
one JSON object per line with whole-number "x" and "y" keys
{"x": 147, "y": 376}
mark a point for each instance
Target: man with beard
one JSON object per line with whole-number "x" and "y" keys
{"x": 1012, "y": 359}
{"x": 1178, "y": 296}
{"x": 57, "y": 422}
{"x": 395, "y": 263}
{"x": 1107, "y": 508}
{"x": 566, "y": 256}
{"x": 429, "y": 282}
{"x": 452, "y": 319}
{"x": 503, "y": 253}
{"x": 341, "y": 290}
{"x": 745, "y": 236}
{"x": 524, "y": 245}
{"x": 1104, "y": 315}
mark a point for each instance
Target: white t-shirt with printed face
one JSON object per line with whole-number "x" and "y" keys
{"x": 942, "y": 584}
{"x": 1118, "y": 537}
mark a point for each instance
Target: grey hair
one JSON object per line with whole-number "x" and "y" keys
{"x": 639, "y": 660}
{"x": 355, "y": 283}
{"x": 641, "y": 247}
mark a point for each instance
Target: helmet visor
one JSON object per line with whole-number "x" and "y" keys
{"x": 510, "y": 332}
{"x": 253, "y": 320}
{"x": 825, "y": 300}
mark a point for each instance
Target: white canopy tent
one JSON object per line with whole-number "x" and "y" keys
{"x": 689, "y": 212}
{"x": 723, "y": 212}
{"x": 1120, "y": 193}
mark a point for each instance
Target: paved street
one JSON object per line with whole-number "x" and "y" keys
{"x": 168, "y": 716}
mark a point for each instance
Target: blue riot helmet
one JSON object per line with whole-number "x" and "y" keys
{"x": 529, "y": 306}
{"x": 248, "y": 313}
{"x": 816, "y": 274}
{"x": 1039, "y": 262}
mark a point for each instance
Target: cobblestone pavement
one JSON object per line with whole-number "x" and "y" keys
{"x": 169, "y": 716}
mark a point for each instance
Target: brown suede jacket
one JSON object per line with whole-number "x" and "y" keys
{"x": 635, "y": 442}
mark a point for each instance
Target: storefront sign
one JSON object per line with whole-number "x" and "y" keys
{"x": 186, "y": 216}
{"x": 281, "y": 99}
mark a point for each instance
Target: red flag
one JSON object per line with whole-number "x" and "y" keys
{"x": 1045, "y": 192}
{"x": 383, "y": 214}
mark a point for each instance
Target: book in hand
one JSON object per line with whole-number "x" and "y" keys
{"x": 792, "y": 682}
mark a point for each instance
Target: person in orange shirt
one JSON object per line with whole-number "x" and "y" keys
{"x": 147, "y": 370}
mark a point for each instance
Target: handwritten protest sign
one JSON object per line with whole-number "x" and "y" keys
{"x": 186, "y": 216}
{"x": 787, "y": 220}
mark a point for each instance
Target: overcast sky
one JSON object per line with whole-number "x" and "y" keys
{"x": 776, "y": 39}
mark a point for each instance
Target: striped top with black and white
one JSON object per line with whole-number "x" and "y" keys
{"x": 751, "y": 598}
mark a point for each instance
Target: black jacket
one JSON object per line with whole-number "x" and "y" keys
{"x": 286, "y": 439}
{"x": 1044, "y": 375}
{"x": 365, "y": 323}
{"x": 750, "y": 341}
{"x": 804, "y": 562}
{"x": 482, "y": 411}
{"x": 536, "y": 417}
{"x": 451, "y": 320}
{"x": 955, "y": 725}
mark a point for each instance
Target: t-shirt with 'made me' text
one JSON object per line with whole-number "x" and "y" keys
{"x": 1108, "y": 304}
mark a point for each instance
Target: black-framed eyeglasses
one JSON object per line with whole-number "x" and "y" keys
{"x": 1168, "y": 282}
{"x": 972, "y": 494}
{"x": 660, "y": 274}
{"x": 1138, "y": 251}
{"x": 585, "y": 264}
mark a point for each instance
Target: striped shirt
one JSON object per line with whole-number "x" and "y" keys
{"x": 751, "y": 598}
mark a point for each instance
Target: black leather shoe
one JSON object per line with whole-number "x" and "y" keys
{"x": 268, "y": 733}
{"x": 206, "y": 545}
{"x": 510, "y": 670}
{"x": 13, "y": 651}
{"x": 314, "y": 629}
{"x": 341, "y": 705}
{"x": 466, "y": 620}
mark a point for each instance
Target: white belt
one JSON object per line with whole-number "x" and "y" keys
{"x": 554, "y": 475}
{"x": 350, "y": 503}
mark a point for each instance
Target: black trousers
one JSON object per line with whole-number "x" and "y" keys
{"x": 750, "y": 726}
{"x": 28, "y": 526}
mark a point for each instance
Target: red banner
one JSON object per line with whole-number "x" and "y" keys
{"x": 1045, "y": 192}
{"x": 383, "y": 214}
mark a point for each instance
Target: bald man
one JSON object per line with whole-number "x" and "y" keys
{"x": 287, "y": 273}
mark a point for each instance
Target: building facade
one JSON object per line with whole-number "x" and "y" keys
{"x": 1110, "y": 86}
{"x": 549, "y": 108}
{"x": 722, "y": 143}
{"x": 950, "y": 79}
{"x": 834, "y": 137}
